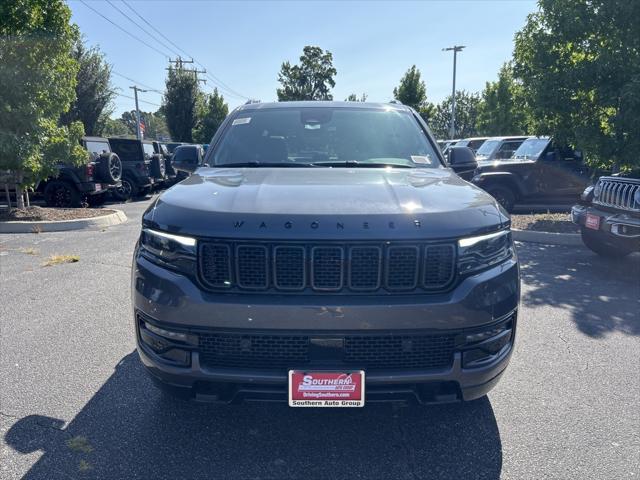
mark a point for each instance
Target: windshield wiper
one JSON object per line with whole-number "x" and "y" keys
{"x": 356, "y": 164}
{"x": 265, "y": 165}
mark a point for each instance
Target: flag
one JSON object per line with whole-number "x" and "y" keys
{"x": 142, "y": 127}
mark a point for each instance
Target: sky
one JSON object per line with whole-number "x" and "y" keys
{"x": 243, "y": 44}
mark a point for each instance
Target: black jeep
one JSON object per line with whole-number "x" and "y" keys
{"x": 75, "y": 186}
{"x": 539, "y": 172}
{"x": 160, "y": 148}
{"x": 609, "y": 215}
{"x": 142, "y": 168}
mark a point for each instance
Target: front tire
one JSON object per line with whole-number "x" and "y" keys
{"x": 61, "y": 194}
{"x": 596, "y": 242}
{"x": 504, "y": 196}
{"x": 127, "y": 190}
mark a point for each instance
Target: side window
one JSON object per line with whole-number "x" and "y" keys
{"x": 506, "y": 150}
{"x": 127, "y": 151}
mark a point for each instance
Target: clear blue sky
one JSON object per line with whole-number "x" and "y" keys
{"x": 244, "y": 43}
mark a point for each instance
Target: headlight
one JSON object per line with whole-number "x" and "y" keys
{"x": 484, "y": 251}
{"x": 172, "y": 251}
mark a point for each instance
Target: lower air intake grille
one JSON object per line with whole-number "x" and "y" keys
{"x": 358, "y": 351}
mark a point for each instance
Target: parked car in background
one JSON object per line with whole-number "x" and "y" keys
{"x": 609, "y": 215}
{"x": 137, "y": 179}
{"x": 161, "y": 149}
{"x": 445, "y": 145}
{"x": 474, "y": 143}
{"x": 74, "y": 186}
{"x": 498, "y": 148}
{"x": 539, "y": 172}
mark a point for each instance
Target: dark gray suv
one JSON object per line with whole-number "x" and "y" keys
{"x": 324, "y": 255}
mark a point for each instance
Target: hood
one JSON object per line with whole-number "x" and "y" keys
{"x": 325, "y": 203}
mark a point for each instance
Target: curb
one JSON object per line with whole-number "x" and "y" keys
{"x": 115, "y": 218}
{"x": 572, "y": 239}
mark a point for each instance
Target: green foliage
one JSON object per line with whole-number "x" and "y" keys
{"x": 503, "y": 110}
{"x": 155, "y": 124}
{"x": 354, "y": 98}
{"x": 112, "y": 127}
{"x": 93, "y": 89}
{"x": 579, "y": 63}
{"x": 38, "y": 76}
{"x": 213, "y": 113}
{"x": 467, "y": 105}
{"x": 312, "y": 79}
{"x": 181, "y": 102}
{"x": 412, "y": 91}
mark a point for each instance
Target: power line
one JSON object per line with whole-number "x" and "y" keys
{"x": 213, "y": 78}
{"x": 124, "y": 30}
{"x": 142, "y": 28}
{"x": 151, "y": 89}
{"x": 141, "y": 101}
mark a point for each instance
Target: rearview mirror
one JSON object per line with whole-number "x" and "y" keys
{"x": 186, "y": 158}
{"x": 462, "y": 161}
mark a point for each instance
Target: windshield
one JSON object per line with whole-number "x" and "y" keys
{"x": 487, "y": 148}
{"x": 531, "y": 148}
{"x": 325, "y": 136}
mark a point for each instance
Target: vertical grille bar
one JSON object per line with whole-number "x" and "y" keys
{"x": 215, "y": 264}
{"x": 439, "y": 265}
{"x": 365, "y": 267}
{"x": 252, "y": 266}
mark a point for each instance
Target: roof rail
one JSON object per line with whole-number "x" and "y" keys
{"x": 251, "y": 100}
{"x": 396, "y": 102}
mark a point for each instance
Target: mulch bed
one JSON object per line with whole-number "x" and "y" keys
{"x": 36, "y": 214}
{"x": 545, "y": 222}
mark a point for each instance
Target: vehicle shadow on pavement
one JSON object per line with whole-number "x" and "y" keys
{"x": 603, "y": 295}
{"x": 127, "y": 430}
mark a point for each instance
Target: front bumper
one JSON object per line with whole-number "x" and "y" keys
{"x": 172, "y": 301}
{"x": 619, "y": 228}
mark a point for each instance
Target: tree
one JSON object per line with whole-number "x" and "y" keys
{"x": 354, "y": 98}
{"x": 214, "y": 112}
{"x": 180, "y": 104}
{"x": 38, "y": 76}
{"x": 113, "y": 127}
{"x": 93, "y": 88}
{"x": 412, "y": 91}
{"x": 503, "y": 110}
{"x": 312, "y": 79}
{"x": 579, "y": 63}
{"x": 466, "y": 115}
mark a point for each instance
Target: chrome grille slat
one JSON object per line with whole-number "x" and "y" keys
{"x": 618, "y": 193}
{"x": 328, "y": 267}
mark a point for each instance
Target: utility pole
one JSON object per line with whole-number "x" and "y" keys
{"x": 137, "y": 89}
{"x": 455, "y": 49}
{"x": 179, "y": 65}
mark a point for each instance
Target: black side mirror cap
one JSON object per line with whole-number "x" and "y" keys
{"x": 462, "y": 159}
{"x": 185, "y": 159}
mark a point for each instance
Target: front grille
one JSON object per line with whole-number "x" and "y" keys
{"x": 356, "y": 351}
{"x": 618, "y": 193}
{"x": 326, "y": 268}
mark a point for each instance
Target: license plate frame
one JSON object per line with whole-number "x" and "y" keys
{"x": 592, "y": 221}
{"x": 331, "y": 389}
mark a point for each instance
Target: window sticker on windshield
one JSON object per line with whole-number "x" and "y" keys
{"x": 241, "y": 121}
{"x": 420, "y": 159}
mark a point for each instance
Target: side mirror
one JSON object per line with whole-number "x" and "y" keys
{"x": 462, "y": 160}
{"x": 185, "y": 159}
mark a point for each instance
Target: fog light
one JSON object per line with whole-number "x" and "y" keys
{"x": 486, "y": 351}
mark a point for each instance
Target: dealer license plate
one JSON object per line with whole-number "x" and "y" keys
{"x": 592, "y": 222}
{"x": 326, "y": 389}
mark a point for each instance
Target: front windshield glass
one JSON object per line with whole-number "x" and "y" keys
{"x": 531, "y": 148}
{"x": 487, "y": 148}
{"x": 325, "y": 136}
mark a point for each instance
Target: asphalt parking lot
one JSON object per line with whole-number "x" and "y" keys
{"x": 75, "y": 402}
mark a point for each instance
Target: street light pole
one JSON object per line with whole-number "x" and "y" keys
{"x": 455, "y": 49}
{"x": 136, "y": 89}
